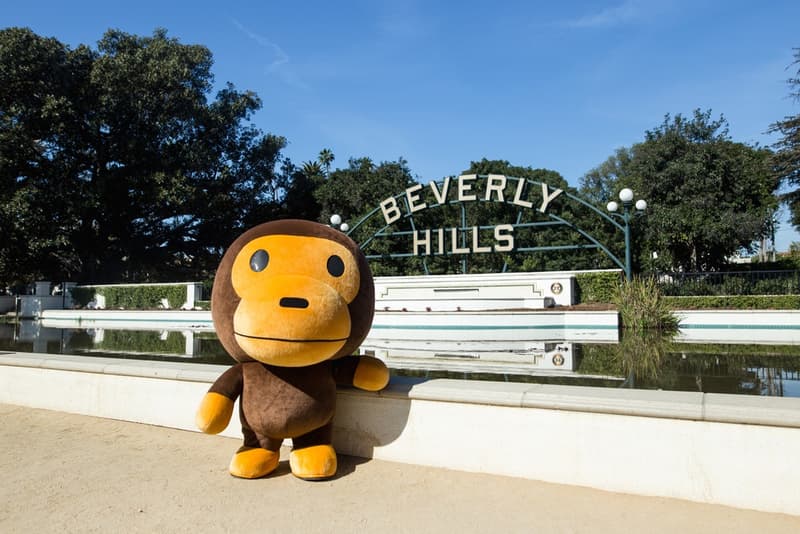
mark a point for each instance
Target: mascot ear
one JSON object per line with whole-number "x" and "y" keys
{"x": 224, "y": 300}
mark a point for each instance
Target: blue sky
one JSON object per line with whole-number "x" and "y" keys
{"x": 558, "y": 85}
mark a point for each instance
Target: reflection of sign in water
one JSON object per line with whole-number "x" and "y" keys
{"x": 540, "y": 357}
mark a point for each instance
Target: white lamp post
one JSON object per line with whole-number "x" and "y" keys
{"x": 626, "y": 196}
{"x": 336, "y": 222}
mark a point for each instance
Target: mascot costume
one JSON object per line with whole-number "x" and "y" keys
{"x": 292, "y": 301}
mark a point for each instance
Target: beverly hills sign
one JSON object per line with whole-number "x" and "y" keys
{"x": 465, "y": 188}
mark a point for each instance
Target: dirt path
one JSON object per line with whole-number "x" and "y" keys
{"x": 68, "y": 473}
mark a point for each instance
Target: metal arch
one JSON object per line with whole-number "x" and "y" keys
{"x": 559, "y": 220}
{"x": 414, "y": 229}
{"x": 591, "y": 238}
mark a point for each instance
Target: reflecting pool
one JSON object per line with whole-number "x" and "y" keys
{"x": 635, "y": 361}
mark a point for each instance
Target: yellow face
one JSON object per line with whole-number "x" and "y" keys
{"x": 294, "y": 293}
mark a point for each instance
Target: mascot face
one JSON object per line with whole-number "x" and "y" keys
{"x": 292, "y": 293}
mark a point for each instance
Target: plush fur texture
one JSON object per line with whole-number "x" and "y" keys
{"x": 225, "y": 300}
{"x": 292, "y": 300}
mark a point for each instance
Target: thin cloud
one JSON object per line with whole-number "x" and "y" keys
{"x": 279, "y": 63}
{"x": 618, "y": 15}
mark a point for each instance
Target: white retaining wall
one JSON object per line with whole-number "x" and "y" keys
{"x": 740, "y": 326}
{"x": 711, "y": 448}
{"x": 474, "y": 291}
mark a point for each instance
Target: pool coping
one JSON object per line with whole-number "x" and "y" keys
{"x": 685, "y": 405}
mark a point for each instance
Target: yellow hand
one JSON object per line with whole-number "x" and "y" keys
{"x": 214, "y": 413}
{"x": 371, "y": 374}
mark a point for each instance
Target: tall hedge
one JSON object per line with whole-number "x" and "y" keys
{"x": 134, "y": 297}
{"x": 597, "y": 286}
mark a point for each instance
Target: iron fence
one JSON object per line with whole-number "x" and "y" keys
{"x": 729, "y": 283}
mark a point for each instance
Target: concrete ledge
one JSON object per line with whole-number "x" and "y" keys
{"x": 695, "y": 406}
{"x": 722, "y": 449}
{"x": 193, "y": 372}
{"x": 774, "y": 411}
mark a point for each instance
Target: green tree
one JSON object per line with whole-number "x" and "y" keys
{"x": 311, "y": 168}
{"x": 299, "y": 201}
{"x": 325, "y": 159}
{"x": 355, "y": 191}
{"x": 546, "y": 233}
{"x": 707, "y": 195}
{"x": 40, "y": 104}
{"x": 115, "y": 164}
{"x": 787, "y": 156}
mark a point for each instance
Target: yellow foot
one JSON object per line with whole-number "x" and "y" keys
{"x": 313, "y": 463}
{"x": 250, "y": 462}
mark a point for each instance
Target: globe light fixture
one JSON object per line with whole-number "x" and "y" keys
{"x": 626, "y": 196}
{"x": 336, "y": 222}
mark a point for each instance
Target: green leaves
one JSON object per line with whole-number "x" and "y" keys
{"x": 642, "y": 307}
{"x": 707, "y": 195}
{"x": 787, "y": 157}
{"x": 116, "y": 164}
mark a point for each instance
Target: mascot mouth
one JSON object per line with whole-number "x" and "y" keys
{"x": 332, "y": 340}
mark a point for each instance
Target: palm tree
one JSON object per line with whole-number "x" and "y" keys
{"x": 311, "y": 169}
{"x": 325, "y": 159}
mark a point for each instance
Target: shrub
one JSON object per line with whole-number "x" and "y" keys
{"x": 698, "y": 287}
{"x": 775, "y": 286}
{"x": 735, "y": 285}
{"x": 143, "y": 297}
{"x": 735, "y": 302}
{"x": 642, "y": 307}
{"x": 597, "y": 286}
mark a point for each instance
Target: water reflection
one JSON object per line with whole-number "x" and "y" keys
{"x": 161, "y": 344}
{"x": 639, "y": 357}
{"x": 644, "y": 360}
{"x": 651, "y": 360}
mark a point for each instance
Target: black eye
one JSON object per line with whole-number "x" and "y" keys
{"x": 335, "y": 266}
{"x": 259, "y": 260}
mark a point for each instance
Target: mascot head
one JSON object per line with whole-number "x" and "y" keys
{"x": 292, "y": 293}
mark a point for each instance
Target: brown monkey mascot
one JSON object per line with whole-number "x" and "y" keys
{"x": 292, "y": 301}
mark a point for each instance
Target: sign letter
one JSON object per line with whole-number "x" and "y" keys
{"x": 441, "y": 198}
{"x": 475, "y": 237}
{"x": 504, "y": 235}
{"x": 465, "y": 185}
{"x": 518, "y": 195}
{"x": 547, "y": 198}
{"x": 454, "y": 248}
{"x": 496, "y": 183}
{"x": 426, "y": 242}
{"x": 412, "y": 195}
{"x": 390, "y": 210}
